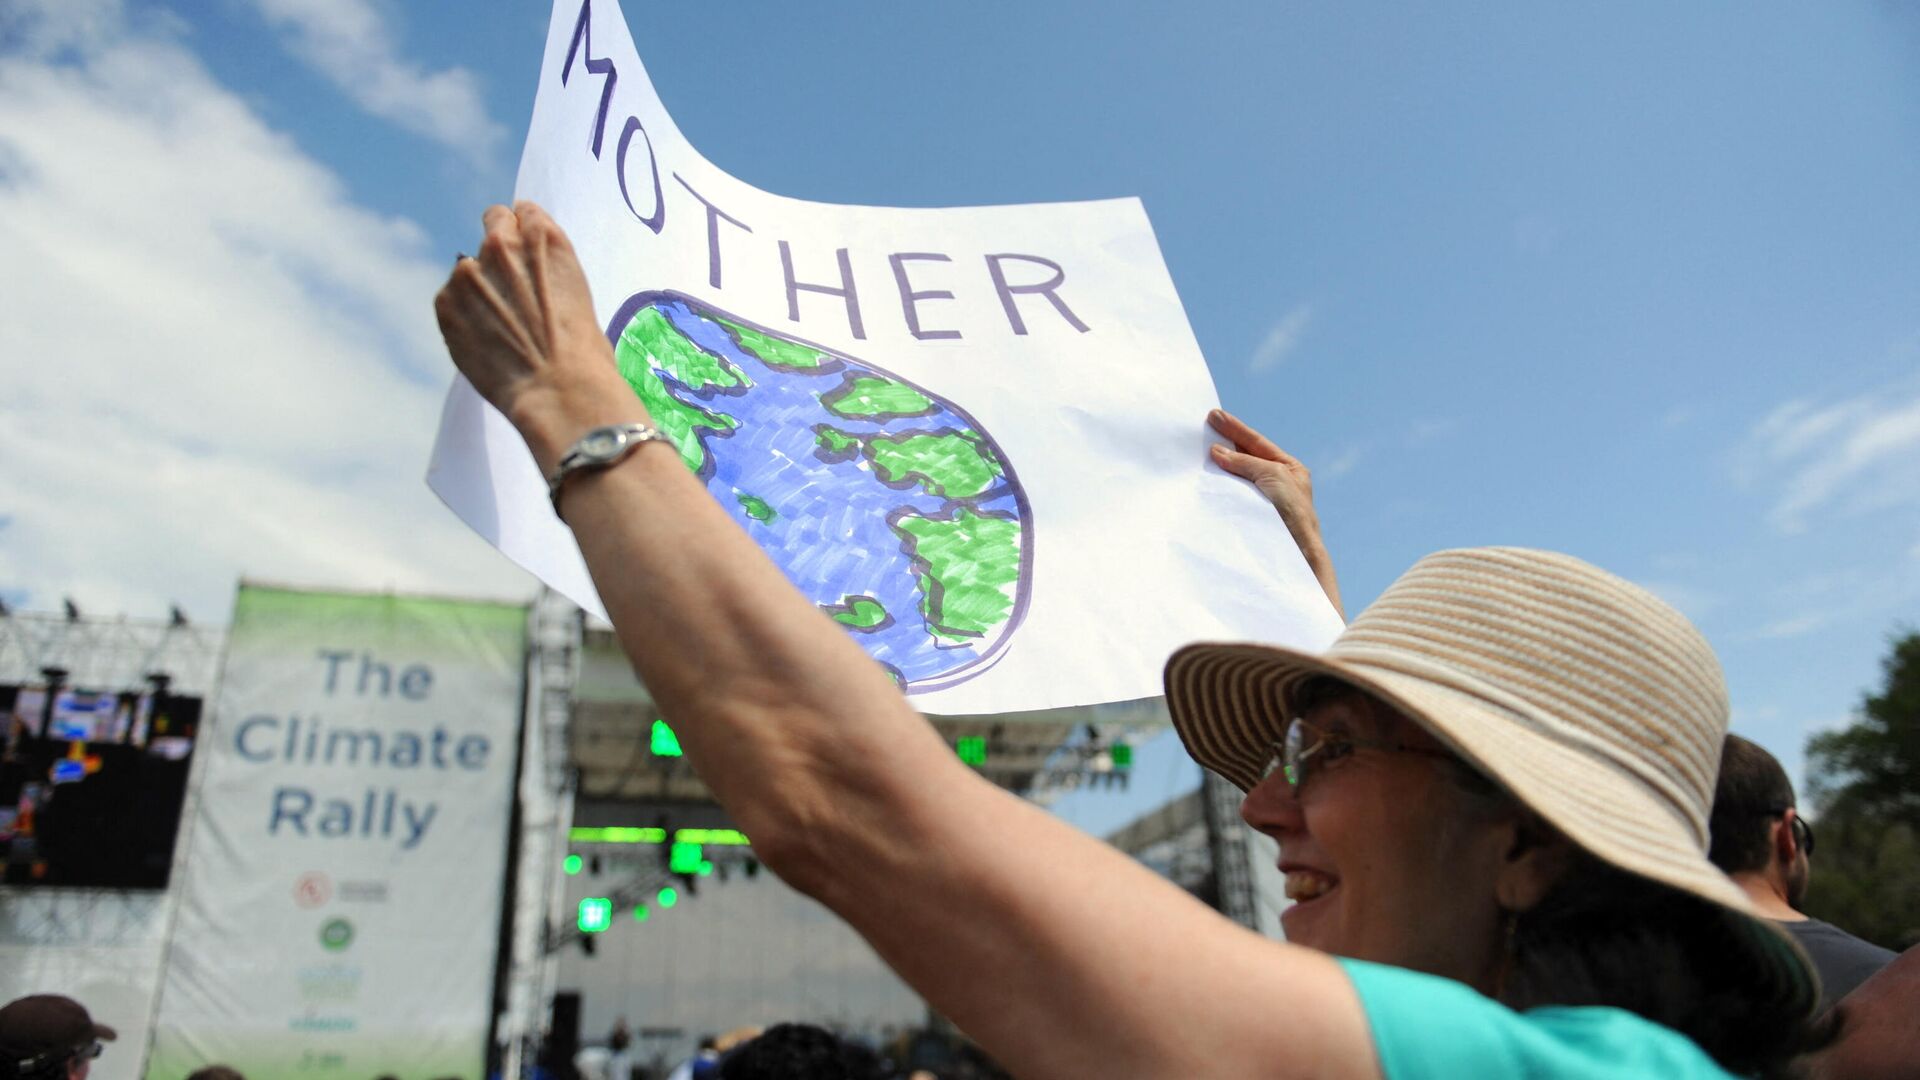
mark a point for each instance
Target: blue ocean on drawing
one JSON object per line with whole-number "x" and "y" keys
{"x": 886, "y": 504}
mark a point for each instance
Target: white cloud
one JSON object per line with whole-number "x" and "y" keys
{"x": 1794, "y": 625}
{"x": 1425, "y": 431}
{"x": 1858, "y": 454}
{"x": 43, "y": 28}
{"x": 1281, "y": 340}
{"x": 1340, "y": 465}
{"x": 350, "y": 42}
{"x": 216, "y": 363}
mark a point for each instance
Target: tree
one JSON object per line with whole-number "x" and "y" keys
{"x": 1864, "y": 781}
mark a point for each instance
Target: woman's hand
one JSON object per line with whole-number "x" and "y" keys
{"x": 1287, "y": 485}
{"x": 518, "y": 320}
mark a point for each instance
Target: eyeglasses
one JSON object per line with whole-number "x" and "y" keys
{"x": 91, "y": 1052}
{"x": 1304, "y": 743}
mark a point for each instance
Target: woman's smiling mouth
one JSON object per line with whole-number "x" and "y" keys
{"x": 1305, "y": 886}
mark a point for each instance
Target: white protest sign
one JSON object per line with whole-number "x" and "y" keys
{"x": 975, "y": 436}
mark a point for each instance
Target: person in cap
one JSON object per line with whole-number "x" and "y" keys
{"x": 1491, "y": 792}
{"x": 49, "y": 1037}
{"x": 1765, "y": 846}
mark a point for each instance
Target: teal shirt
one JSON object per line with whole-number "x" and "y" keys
{"x": 1425, "y": 1026}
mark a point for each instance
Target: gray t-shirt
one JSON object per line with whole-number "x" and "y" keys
{"x": 1844, "y": 961}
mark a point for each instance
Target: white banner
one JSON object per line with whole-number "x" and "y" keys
{"x": 340, "y": 913}
{"x": 974, "y": 436}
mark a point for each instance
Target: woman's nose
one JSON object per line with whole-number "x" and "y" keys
{"x": 1271, "y": 807}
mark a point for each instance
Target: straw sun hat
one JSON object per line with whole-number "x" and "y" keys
{"x": 1590, "y": 700}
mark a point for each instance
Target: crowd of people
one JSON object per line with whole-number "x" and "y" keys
{"x": 801, "y": 1051}
{"x": 1518, "y": 838}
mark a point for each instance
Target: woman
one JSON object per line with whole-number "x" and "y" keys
{"x": 1444, "y": 824}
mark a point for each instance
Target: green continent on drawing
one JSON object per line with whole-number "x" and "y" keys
{"x": 651, "y": 342}
{"x": 836, "y": 442}
{"x": 859, "y": 612}
{"x": 889, "y": 507}
{"x": 971, "y": 568}
{"x": 867, "y": 396}
{"x": 756, "y": 507}
{"x": 949, "y": 464}
{"x": 778, "y": 352}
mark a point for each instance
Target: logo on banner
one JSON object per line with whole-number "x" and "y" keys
{"x": 336, "y": 934}
{"x": 312, "y": 889}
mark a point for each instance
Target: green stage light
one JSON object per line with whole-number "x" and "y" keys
{"x": 572, "y": 864}
{"x": 724, "y": 837}
{"x": 706, "y": 869}
{"x": 665, "y": 742}
{"x": 640, "y": 913}
{"x": 596, "y": 914}
{"x": 972, "y": 749}
{"x": 684, "y": 858}
{"x": 667, "y": 897}
{"x": 622, "y": 834}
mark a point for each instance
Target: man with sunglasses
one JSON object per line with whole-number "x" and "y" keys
{"x": 49, "y": 1037}
{"x": 1763, "y": 844}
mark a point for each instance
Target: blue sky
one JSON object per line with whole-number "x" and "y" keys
{"x": 1641, "y": 284}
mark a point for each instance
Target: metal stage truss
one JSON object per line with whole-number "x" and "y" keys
{"x": 110, "y": 654}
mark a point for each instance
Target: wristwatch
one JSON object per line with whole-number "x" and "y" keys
{"x": 597, "y": 449}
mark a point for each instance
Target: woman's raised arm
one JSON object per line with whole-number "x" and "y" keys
{"x": 1060, "y": 955}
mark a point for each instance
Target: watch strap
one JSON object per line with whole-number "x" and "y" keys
{"x": 597, "y": 449}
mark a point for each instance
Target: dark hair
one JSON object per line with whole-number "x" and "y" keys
{"x": 800, "y": 1052}
{"x": 216, "y": 1072}
{"x": 1752, "y": 791}
{"x": 1607, "y": 937}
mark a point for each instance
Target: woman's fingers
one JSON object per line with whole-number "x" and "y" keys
{"x": 1245, "y": 439}
{"x": 495, "y": 215}
{"x": 1245, "y": 466}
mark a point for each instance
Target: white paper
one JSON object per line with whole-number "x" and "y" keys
{"x": 1044, "y": 460}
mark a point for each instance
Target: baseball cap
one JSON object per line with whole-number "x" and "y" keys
{"x": 38, "y": 1029}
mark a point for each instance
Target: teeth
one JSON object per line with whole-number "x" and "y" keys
{"x": 1307, "y": 884}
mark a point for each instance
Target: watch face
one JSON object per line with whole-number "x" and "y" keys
{"x": 600, "y": 443}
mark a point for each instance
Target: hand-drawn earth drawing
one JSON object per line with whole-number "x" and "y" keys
{"x": 885, "y": 504}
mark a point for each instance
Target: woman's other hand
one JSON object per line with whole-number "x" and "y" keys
{"x": 1285, "y": 482}
{"x": 518, "y": 320}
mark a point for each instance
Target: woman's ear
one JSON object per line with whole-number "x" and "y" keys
{"x": 1538, "y": 857}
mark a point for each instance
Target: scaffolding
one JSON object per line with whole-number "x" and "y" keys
{"x": 547, "y": 786}
{"x": 110, "y": 654}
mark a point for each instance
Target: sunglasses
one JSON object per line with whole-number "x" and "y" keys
{"x": 1307, "y": 747}
{"x": 1802, "y": 832}
{"x": 38, "y": 1061}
